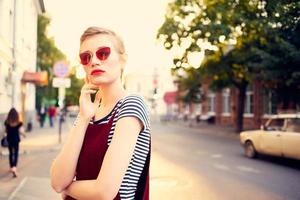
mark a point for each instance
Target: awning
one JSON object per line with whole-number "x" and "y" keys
{"x": 170, "y": 97}
{"x": 37, "y": 78}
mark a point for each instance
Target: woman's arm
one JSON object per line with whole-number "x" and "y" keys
{"x": 22, "y": 131}
{"x": 115, "y": 164}
{"x": 64, "y": 166}
{"x": 5, "y": 131}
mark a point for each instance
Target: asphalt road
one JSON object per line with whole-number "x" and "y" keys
{"x": 186, "y": 164}
{"x": 218, "y": 169}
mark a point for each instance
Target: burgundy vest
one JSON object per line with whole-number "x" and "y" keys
{"x": 92, "y": 154}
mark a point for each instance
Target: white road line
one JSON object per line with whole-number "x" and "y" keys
{"x": 216, "y": 156}
{"x": 18, "y": 188}
{"x": 221, "y": 167}
{"x": 248, "y": 169}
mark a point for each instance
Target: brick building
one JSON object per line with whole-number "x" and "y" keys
{"x": 260, "y": 103}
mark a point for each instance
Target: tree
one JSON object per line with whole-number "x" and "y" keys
{"x": 241, "y": 32}
{"x": 47, "y": 55}
{"x": 188, "y": 84}
{"x": 284, "y": 47}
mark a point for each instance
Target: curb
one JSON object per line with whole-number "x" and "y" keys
{"x": 208, "y": 129}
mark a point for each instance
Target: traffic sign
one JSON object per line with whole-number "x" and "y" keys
{"x": 61, "y": 69}
{"x": 61, "y": 82}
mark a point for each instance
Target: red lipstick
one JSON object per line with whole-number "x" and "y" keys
{"x": 97, "y": 72}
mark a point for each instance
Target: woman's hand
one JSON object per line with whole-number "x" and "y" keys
{"x": 87, "y": 108}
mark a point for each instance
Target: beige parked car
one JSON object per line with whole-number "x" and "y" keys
{"x": 280, "y": 136}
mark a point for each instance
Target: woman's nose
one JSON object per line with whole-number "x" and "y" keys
{"x": 95, "y": 61}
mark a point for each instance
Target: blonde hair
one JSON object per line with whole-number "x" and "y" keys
{"x": 93, "y": 30}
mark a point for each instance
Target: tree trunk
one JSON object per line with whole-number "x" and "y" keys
{"x": 241, "y": 106}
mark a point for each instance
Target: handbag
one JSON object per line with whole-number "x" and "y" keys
{"x": 4, "y": 142}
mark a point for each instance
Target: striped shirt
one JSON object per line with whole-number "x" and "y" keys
{"x": 131, "y": 106}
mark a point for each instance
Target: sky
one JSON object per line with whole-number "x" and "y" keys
{"x": 137, "y": 21}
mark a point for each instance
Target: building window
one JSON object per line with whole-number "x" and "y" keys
{"x": 270, "y": 102}
{"x": 249, "y": 101}
{"x": 226, "y": 101}
{"x": 211, "y": 102}
{"x": 198, "y": 108}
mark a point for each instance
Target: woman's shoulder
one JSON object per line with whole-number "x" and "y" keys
{"x": 134, "y": 98}
{"x": 135, "y": 105}
{"x": 17, "y": 124}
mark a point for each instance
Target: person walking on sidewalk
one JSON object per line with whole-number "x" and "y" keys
{"x": 42, "y": 115}
{"x": 51, "y": 114}
{"x": 13, "y": 129}
{"x": 107, "y": 152}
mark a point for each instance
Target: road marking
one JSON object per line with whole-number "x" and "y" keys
{"x": 18, "y": 188}
{"x": 164, "y": 181}
{"x": 216, "y": 156}
{"x": 248, "y": 169}
{"x": 221, "y": 167}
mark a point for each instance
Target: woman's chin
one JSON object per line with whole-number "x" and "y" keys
{"x": 98, "y": 81}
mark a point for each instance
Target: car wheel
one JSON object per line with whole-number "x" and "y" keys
{"x": 250, "y": 150}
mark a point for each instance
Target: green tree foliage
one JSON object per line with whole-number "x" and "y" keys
{"x": 47, "y": 55}
{"x": 253, "y": 38}
{"x": 189, "y": 84}
{"x": 283, "y": 46}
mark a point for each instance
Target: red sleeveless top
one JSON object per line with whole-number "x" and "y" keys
{"x": 92, "y": 154}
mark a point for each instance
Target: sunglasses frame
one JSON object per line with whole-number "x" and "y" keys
{"x": 98, "y": 53}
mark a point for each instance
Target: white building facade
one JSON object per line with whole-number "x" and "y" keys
{"x": 18, "y": 49}
{"x": 144, "y": 84}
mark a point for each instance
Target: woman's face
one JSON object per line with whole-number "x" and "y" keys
{"x": 107, "y": 69}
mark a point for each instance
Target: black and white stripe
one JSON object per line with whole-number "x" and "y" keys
{"x": 132, "y": 106}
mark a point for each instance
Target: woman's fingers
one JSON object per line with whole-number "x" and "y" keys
{"x": 88, "y": 87}
{"x": 89, "y": 91}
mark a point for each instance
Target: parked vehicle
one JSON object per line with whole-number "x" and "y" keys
{"x": 280, "y": 136}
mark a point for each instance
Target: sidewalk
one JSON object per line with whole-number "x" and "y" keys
{"x": 41, "y": 139}
{"x": 37, "y": 146}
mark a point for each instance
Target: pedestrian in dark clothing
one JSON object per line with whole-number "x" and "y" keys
{"x": 42, "y": 115}
{"x": 13, "y": 129}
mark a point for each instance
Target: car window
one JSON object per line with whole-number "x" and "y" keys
{"x": 275, "y": 124}
{"x": 293, "y": 125}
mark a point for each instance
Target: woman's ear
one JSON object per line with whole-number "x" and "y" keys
{"x": 124, "y": 58}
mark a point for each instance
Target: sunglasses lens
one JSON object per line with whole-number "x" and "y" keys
{"x": 103, "y": 53}
{"x": 85, "y": 58}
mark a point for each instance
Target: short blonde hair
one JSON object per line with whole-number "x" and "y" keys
{"x": 91, "y": 31}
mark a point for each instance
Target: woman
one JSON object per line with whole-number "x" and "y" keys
{"x": 13, "y": 129}
{"x": 111, "y": 133}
